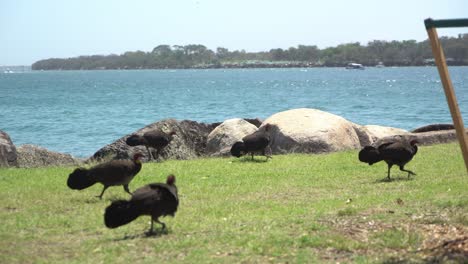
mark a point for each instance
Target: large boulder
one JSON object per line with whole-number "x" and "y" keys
{"x": 221, "y": 139}
{"x": 8, "y": 154}
{"x": 364, "y": 136}
{"x": 375, "y": 132}
{"x": 35, "y": 156}
{"x": 188, "y": 143}
{"x": 311, "y": 131}
{"x": 436, "y": 137}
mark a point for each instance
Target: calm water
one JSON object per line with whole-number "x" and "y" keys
{"x": 78, "y": 112}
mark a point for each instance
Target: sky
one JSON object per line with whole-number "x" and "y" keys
{"x": 31, "y": 30}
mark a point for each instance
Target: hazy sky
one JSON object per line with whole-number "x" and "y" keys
{"x": 31, "y": 30}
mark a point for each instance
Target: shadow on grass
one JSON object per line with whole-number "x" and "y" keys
{"x": 249, "y": 159}
{"x": 155, "y": 234}
{"x": 88, "y": 200}
{"x": 96, "y": 200}
{"x": 392, "y": 179}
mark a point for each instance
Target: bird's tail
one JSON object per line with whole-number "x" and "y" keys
{"x": 120, "y": 213}
{"x": 135, "y": 140}
{"x": 237, "y": 148}
{"x": 369, "y": 155}
{"x": 80, "y": 179}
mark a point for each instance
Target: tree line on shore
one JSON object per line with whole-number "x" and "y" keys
{"x": 390, "y": 53}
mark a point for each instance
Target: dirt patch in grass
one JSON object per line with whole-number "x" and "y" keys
{"x": 415, "y": 240}
{"x": 444, "y": 242}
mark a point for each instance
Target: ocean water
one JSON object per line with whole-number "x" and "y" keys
{"x": 78, "y": 112}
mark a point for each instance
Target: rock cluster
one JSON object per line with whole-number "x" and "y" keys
{"x": 8, "y": 155}
{"x": 188, "y": 143}
{"x": 298, "y": 130}
{"x": 36, "y": 156}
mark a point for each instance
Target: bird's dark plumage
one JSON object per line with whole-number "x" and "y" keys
{"x": 155, "y": 200}
{"x": 112, "y": 173}
{"x": 154, "y": 138}
{"x": 396, "y": 152}
{"x": 256, "y": 142}
{"x": 237, "y": 149}
{"x": 369, "y": 154}
{"x": 79, "y": 179}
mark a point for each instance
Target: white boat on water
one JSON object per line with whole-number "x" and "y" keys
{"x": 380, "y": 65}
{"x": 354, "y": 66}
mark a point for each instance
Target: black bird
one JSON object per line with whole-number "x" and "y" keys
{"x": 112, "y": 173}
{"x": 256, "y": 142}
{"x": 154, "y": 138}
{"x": 155, "y": 200}
{"x": 395, "y": 152}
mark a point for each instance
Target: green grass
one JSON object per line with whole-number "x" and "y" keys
{"x": 293, "y": 208}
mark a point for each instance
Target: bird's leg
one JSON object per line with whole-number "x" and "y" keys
{"x": 252, "y": 155}
{"x": 264, "y": 154}
{"x": 408, "y": 171}
{"x": 151, "y": 228}
{"x": 388, "y": 172}
{"x": 150, "y": 231}
{"x": 126, "y": 189}
{"x": 157, "y": 153}
{"x": 163, "y": 224}
{"x": 270, "y": 152}
{"x": 103, "y": 190}
{"x": 150, "y": 156}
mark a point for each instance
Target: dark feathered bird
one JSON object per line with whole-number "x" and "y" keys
{"x": 395, "y": 152}
{"x": 256, "y": 142}
{"x": 155, "y": 200}
{"x": 112, "y": 173}
{"x": 154, "y": 138}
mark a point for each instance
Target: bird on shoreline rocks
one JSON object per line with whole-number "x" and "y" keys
{"x": 256, "y": 142}
{"x": 155, "y": 138}
{"x": 112, "y": 173}
{"x": 395, "y": 152}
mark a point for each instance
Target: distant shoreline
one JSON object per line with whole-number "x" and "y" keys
{"x": 14, "y": 69}
{"x": 196, "y": 56}
{"x": 243, "y": 67}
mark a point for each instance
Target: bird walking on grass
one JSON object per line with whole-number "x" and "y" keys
{"x": 112, "y": 173}
{"x": 154, "y": 138}
{"x": 256, "y": 142}
{"x": 395, "y": 152}
{"x": 155, "y": 199}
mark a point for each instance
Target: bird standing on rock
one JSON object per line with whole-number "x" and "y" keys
{"x": 112, "y": 173}
{"x": 155, "y": 200}
{"x": 395, "y": 152}
{"x": 154, "y": 138}
{"x": 256, "y": 142}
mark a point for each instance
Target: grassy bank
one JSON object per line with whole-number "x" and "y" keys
{"x": 293, "y": 208}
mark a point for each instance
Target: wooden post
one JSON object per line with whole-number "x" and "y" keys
{"x": 449, "y": 92}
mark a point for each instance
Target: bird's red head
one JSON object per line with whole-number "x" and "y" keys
{"x": 170, "y": 179}
{"x": 267, "y": 127}
{"x": 137, "y": 156}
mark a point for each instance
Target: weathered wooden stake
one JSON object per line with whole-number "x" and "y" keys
{"x": 449, "y": 92}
